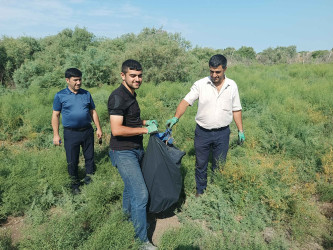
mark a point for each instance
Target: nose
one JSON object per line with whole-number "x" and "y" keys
{"x": 137, "y": 78}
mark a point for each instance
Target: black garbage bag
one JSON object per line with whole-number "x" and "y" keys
{"x": 161, "y": 171}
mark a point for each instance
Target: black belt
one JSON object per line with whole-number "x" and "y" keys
{"x": 213, "y": 129}
{"x": 78, "y": 129}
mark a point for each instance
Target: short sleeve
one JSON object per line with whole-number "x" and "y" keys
{"x": 57, "y": 106}
{"x": 116, "y": 105}
{"x": 236, "y": 104}
{"x": 91, "y": 104}
{"x": 193, "y": 95}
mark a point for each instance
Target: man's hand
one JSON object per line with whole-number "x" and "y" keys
{"x": 150, "y": 122}
{"x": 152, "y": 128}
{"x": 171, "y": 122}
{"x": 99, "y": 133}
{"x": 241, "y": 137}
{"x": 57, "y": 140}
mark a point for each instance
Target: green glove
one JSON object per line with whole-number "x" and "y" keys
{"x": 241, "y": 137}
{"x": 171, "y": 122}
{"x": 152, "y": 128}
{"x": 150, "y": 122}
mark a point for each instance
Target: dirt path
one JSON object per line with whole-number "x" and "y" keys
{"x": 159, "y": 224}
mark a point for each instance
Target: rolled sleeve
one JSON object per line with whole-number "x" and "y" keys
{"x": 236, "y": 104}
{"x": 193, "y": 95}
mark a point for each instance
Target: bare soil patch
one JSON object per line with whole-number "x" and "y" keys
{"x": 14, "y": 225}
{"x": 159, "y": 224}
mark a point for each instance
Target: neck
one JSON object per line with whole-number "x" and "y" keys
{"x": 129, "y": 89}
{"x": 72, "y": 90}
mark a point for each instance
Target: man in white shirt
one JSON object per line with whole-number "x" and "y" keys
{"x": 218, "y": 105}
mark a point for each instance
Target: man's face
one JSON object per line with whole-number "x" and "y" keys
{"x": 74, "y": 83}
{"x": 217, "y": 74}
{"x": 132, "y": 78}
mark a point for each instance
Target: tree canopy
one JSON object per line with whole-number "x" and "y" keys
{"x": 165, "y": 56}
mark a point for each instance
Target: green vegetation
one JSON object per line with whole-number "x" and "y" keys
{"x": 27, "y": 61}
{"x": 266, "y": 196}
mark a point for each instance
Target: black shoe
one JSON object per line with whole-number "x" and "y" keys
{"x": 87, "y": 180}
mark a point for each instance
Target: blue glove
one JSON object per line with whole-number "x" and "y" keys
{"x": 241, "y": 137}
{"x": 152, "y": 128}
{"x": 150, "y": 122}
{"x": 171, "y": 122}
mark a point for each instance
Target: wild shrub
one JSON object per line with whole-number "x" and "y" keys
{"x": 60, "y": 232}
{"x": 113, "y": 233}
{"x": 29, "y": 177}
{"x": 5, "y": 240}
{"x": 11, "y": 114}
{"x": 92, "y": 220}
{"x": 188, "y": 236}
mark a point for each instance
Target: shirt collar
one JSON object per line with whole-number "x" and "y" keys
{"x": 127, "y": 91}
{"x": 70, "y": 92}
{"x": 225, "y": 85}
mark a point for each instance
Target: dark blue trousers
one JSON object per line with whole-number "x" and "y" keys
{"x": 205, "y": 141}
{"x": 73, "y": 140}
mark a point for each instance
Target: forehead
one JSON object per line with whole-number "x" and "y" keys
{"x": 218, "y": 68}
{"x": 134, "y": 72}
{"x": 75, "y": 78}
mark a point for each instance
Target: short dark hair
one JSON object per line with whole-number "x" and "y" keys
{"x": 132, "y": 65}
{"x": 217, "y": 60}
{"x": 73, "y": 72}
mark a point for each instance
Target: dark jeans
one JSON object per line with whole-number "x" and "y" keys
{"x": 73, "y": 139}
{"x": 205, "y": 140}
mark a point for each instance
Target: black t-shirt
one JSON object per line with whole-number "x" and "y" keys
{"x": 121, "y": 102}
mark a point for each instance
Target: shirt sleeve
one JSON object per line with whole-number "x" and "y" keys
{"x": 57, "y": 106}
{"x": 116, "y": 105}
{"x": 193, "y": 95}
{"x": 236, "y": 104}
{"x": 91, "y": 103}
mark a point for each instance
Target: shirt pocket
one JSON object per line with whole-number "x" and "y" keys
{"x": 226, "y": 104}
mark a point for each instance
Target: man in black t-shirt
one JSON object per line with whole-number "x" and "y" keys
{"x": 126, "y": 149}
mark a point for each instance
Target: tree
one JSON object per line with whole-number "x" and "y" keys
{"x": 246, "y": 53}
{"x": 278, "y": 55}
{"x": 57, "y": 53}
{"x": 3, "y": 62}
{"x": 14, "y": 52}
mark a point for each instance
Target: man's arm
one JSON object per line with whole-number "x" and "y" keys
{"x": 95, "y": 119}
{"x": 55, "y": 126}
{"x": 182, "y": 106}
{"x": 117, "y": 128}
{"x": 238, "y": 119}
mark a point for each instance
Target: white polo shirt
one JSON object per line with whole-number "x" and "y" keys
{"x": 214, "y": 108}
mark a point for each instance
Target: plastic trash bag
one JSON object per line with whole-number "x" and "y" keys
{"x": 161, "y": 171}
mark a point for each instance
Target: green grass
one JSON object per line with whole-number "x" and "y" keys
{"x": 266, "y": 185}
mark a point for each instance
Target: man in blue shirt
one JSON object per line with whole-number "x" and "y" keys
{"x": 78, "y": 109}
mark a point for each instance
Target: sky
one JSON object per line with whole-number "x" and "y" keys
{"x": 217, "y": 24}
